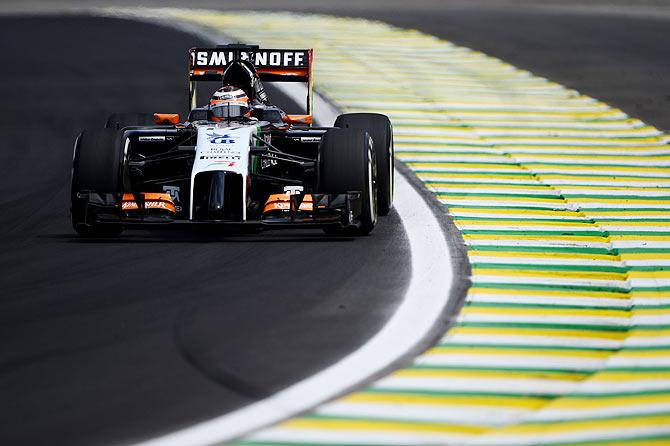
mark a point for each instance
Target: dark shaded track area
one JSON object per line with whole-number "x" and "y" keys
{"x": 108, "y": 341}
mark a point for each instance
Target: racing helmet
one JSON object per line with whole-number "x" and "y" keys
{"x": 229, "y": 102}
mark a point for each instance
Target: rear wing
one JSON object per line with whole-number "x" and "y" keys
{"x": 272, "y": 65}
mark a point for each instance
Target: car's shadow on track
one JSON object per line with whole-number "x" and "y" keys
{"x": 164, "y": 236}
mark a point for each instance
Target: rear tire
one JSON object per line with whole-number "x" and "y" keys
{"x": 95, "y": 168}
{"x": 118, "y": 121}
{"x": 380, "y": 129}
{"x": 347, "y": 163}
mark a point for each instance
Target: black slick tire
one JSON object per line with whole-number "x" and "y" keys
{"x": 380, "y": 129}
{"x": 96, "y": 167}
{"x": 347, "y": 163}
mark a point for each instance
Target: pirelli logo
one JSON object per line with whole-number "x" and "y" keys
{"x": 213, "y": 58}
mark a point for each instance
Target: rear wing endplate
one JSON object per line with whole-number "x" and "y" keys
{"x": 272, "y": 65}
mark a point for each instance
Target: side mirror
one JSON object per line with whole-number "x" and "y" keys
{"x": 166, "y": 118}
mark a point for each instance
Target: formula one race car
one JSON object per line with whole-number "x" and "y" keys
{"x": 239, "y": 160}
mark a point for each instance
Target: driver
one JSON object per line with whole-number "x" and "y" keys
{"x": 229, "y": 103}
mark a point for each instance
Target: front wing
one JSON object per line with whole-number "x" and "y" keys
{"x": 280, "y": 211}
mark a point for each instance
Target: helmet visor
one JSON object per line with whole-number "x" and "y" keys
{"x": 228, "y": 110}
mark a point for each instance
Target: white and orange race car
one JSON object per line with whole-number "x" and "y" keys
{"x": 255, "y": 167}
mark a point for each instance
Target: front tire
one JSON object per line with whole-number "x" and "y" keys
{"x": 347, "y": 163}
{"x": 95, "y": 169}
{"x": 380, "y": 129}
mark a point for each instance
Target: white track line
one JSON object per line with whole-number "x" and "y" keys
{"x": 426, "y": 298}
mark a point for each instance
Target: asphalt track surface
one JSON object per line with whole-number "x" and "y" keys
{"x": 106, "y": 341}
{"x": 614, "y": 54}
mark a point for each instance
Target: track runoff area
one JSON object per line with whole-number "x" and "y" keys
{"x": 563, "y": 203}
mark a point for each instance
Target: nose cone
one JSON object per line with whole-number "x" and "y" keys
{"x": 218, "y": 196}
{"x": 217, "y": 192}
